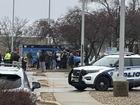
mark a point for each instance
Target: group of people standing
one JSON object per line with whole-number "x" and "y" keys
{"x": 45, "y": 59}
{"x": 51, "y": 60}
{"x": 55, "y": 59}
{"x": 9, "y": 57}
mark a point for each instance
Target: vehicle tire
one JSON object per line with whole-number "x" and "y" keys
{"x": 80, "y": 88}
{"x": 102, "y": 84}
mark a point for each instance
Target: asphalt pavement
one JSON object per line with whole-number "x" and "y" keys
{"x": 62, "y": 91}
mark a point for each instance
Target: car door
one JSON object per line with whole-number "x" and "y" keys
{"x": 136, "y": 71}
{"x": 132, "y": 71}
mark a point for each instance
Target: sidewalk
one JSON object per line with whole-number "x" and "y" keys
{"x": 67, "y": 95}
{"x": 75, "y": 99}
{"x": 62, "y": 91}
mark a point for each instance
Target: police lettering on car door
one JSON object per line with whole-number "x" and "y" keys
{"x": 132, "y": 74}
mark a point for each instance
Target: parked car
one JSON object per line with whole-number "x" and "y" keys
{"x": 99, "y": 75}
{"x": 14, "y": 78}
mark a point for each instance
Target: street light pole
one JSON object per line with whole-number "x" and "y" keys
{"x": 120, "y": 85}
{"x": 83, "y": 31}
{"x": 84, "y": 5}
{"x": 49, "y": 12}
{"x": 122, "y": 34}
{"x": 49, "y": 16}
{"x": 13, "y": 16}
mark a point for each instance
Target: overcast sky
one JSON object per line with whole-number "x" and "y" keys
{"x": 36, "y": 9}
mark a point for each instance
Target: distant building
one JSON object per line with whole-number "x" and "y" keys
{"x": 34, "y": 40}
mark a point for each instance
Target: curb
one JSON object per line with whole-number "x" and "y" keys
{"x": 48, "y": 102}
{"x": 40, "y": 100}
{"x": 55, "y": 102}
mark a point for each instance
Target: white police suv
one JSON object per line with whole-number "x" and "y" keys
{"x": 99, "y": 75}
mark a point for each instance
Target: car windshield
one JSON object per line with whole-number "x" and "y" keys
{"x": 106, "y": 61}
{"x": 9, "y": 81}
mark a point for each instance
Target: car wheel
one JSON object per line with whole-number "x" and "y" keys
{"x": 80, "y": 88}
{"x": 102, "y": 84}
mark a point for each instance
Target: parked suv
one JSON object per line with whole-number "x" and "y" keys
{"x": 99, "y": 75}
{"x": 13, "y": 77}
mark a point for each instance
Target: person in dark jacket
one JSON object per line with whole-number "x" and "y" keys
{"x": 24, "y": 62}
{"x": 64, "y": 60}
{"x": 42, "y": 60}
{"x": 15, "y": 56}
{"x": 29, "y": 58}
{"x": 71, "y": 60}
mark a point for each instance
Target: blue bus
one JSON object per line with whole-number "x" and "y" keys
{"x": 25, "y": 49}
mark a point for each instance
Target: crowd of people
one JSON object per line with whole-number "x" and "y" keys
{"x": 45, "y": 59}
{"x": 55, "y": 60}
{"x": 52, "y": 59}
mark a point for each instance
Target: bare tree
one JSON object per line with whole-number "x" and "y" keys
{"x": 5, "y": 26}
{"x": 97, "y": 29}
{"x": 56, "y": 35}
{"x": 40, "y": 28}
{"x": 19, "y": 30}
{"x": 134, "y": 4}
{"x": 70, "y": 27}
{"x": 132, "y": 24}
{"x": 132, "y": 29}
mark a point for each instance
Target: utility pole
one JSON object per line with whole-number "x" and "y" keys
{"x": 49, "y": 17}
{"x": 13, "y": 16}
{"x": 49, "y": 12}
{"x": 122, "y": 35}
{"x": 84, "y": 6}
{"x": 120, "y": 84}
{"x": 83, "y": 31}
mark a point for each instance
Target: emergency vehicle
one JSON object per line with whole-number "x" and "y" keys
{"x": 99, "y": 75}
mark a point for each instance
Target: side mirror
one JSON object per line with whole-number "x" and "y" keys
{"x": 114, "y": 65}
{"x": 111, "y": 65}
{"x": 35, "y": 85}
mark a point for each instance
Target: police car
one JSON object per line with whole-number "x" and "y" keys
{"x": 13, "y": 78}
{"x": 99, "y": 75}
